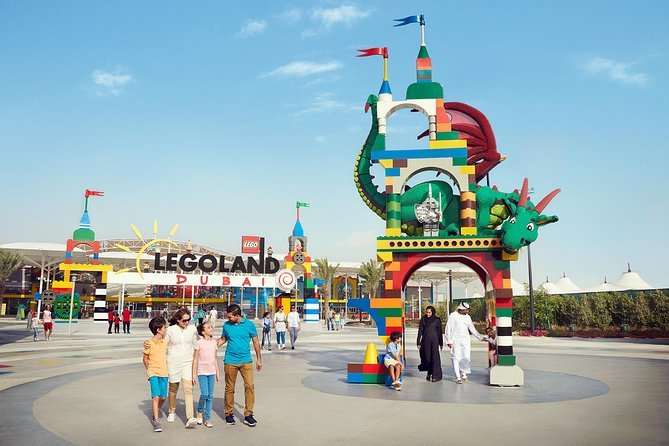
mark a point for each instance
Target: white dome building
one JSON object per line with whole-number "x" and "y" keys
{"x": 630, "y": 280}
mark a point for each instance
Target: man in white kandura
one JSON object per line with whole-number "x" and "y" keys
{"x": 458, "y": 327}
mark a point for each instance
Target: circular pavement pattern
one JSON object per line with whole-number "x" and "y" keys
{"x": 540, "y": 387}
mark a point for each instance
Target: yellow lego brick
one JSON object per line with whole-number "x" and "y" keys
{"x": 506, "y": 283}
{"x": 389, "y": 181}
{"x": 385, "y": 303}
{"x": 85, "y": 267}
{"x": 443, "y": 127}
{"x": 385, "y": 339}
{"x": 61, "y": 284}
{"x": 467, "y": 170}
{"x": 449, "y": 144}
{"x": 393, "y": 232}
{"x": 393, "y": 322}
{"x": 510, "y": 257}
{"x": 384, "y": 256}
{"x": 386, "y": 163}
{"x": 468, "y": 231}
{"x": 394, "y": 266}
{"x": 389, "y": 284}
{"x": 468, "y": 213}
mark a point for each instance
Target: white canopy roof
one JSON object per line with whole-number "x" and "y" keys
{"x": 632, "y": 281}
{"x": 602, "y": 288}
{"x": 43, "y": 255}
{"x": 566, "y": 285}
{"x": 550, "y": 288}
{"x": 518, "y": 288}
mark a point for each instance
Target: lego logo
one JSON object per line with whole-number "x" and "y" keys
{"x": 250, "y": 244}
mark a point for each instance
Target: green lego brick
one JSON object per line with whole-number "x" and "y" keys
{"x": 460, "y": 161}
{"x": 448, "y": 135}
{"x": 503, "y": 312}
{"x": 373, "y": 378}
{"x": 506, "y": 360}
{"x": 388, "y": 312}
{"x": 425, "y": 90}
{"x": 501, "y": 264}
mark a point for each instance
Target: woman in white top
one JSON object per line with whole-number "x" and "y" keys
{"x": 280, "y": 328}
{"x": 181, "y": 338}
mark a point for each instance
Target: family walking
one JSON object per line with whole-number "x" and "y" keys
{"x": 177, "y": 357}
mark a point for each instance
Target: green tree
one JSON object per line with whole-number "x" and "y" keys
{"x": 9, "y": 262}
{"x": 372, "y": 273}
{"x": 658, "y": 306}
{"x": 599, "y": 313}
{"x": 639, "y": 312}
{"x": 327, "y": 272}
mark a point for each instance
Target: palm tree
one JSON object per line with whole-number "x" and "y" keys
{"x": 326, "y": 271}
{"x": 372, "y": 273}
{"x": 9, "y": 262}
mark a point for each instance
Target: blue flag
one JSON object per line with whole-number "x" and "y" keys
{"x": 411, "y": 19}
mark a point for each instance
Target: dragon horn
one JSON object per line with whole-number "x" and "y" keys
{"x": 523, "y": 195}
{"x": 547, "y": 199}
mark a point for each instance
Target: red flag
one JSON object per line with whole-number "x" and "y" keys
{"x": 93, "y": 193}
{"x": 374, "y": 52}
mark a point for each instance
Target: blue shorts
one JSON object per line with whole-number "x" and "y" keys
{"x": 158, "y": 386}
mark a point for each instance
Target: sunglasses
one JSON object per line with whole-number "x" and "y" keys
{"x": 185, "y": 320}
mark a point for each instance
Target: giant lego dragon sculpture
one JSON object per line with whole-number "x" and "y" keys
{"x": 511, "y": 215}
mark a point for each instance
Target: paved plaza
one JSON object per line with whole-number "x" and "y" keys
{"x": 90, "y": 389}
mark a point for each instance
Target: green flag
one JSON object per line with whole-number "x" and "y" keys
{"x": 300, "y": 204}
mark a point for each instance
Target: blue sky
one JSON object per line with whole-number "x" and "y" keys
{"x": 219, "y": 116}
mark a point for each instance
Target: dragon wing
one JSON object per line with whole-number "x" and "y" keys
{"x": 476, "y": 129}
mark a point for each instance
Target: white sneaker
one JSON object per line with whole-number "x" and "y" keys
{"x": 397, "y": 384}
{"x": 191, "y": 423}
{"x": 458, "y": 381}
{"x": 199, "y": 420}
{"x": 171, "y": 417}
{"x": 398, "y": 388}
{"x": 464, "y": 377}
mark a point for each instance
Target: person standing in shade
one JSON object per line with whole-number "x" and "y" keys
{"x": 126, "y": 320}
{"x": 34, "y": 325}
{"x": 337, "y": 318}
{"x": 200, "y": 316}
{"x": 266, "y": 331}
{"x": 213, "y": 315}
{"x": 458, "y": 328}
{"x": 110, "y": 319}
{"x": 293, "y": 325}
{"x": 117, "y": 322}
{"x": 280, "y": 328}
{"x": 430, "y": 341}
{"x": 48, "y": 323}
{"x": 237, "y": 332}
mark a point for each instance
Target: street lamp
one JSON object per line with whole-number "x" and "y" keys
{"x": 529, "y": 272}
{"x": 450, "y": 290}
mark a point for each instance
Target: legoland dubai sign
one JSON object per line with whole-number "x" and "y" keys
{"x": 174, "y": 269}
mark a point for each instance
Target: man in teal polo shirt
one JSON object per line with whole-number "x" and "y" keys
{"x": 237, "y": 332}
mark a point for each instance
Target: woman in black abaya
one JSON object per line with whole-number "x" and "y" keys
{"x": 430, "y": 341}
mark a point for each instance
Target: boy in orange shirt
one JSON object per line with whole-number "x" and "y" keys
{"x": 155, "y": 361}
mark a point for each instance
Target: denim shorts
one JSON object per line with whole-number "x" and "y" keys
{"x": 158, "y": 386}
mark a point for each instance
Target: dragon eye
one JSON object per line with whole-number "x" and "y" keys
{"x": 512, "y": 220}
{"x": 530, "y": 226}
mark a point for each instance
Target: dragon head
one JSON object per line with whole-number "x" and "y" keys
{"x": 523, "y": 226}
{"x": 372, "y": 99}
